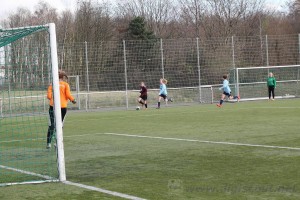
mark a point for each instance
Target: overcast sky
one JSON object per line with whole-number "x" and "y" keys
{"x": 8, "y": 6}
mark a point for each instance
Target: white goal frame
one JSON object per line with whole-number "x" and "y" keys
{"x": 57, "y": 107}
{"x": 237, "y": 83}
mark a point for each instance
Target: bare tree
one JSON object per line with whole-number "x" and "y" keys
{"x": 44, "y": 13}
{"x": 294, "y": 14}
{"x": 93, "y": 22}
{"x": 214, "y": 18}
{"x": 83, "y": 21}
{"x": 157, "y": 13}
{"x": 232, "y": 17}
{"x": 21, "y": 17}
{"x": 192, "y": 13}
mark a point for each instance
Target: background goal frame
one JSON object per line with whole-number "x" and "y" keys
{"x": 255, "y": 76}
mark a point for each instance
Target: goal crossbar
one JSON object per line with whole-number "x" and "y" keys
{"x": 11, "y": 35}
{"x": 266, "y": 67}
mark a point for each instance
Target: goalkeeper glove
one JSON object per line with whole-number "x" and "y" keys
{"x": 74, "y": 101}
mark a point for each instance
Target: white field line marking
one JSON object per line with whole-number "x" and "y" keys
{"x": 35, "y": 139}
{"x": 147, "y": 115}
{"x": 51, "y": 179}
{"x": 99, "y": 117}
{"x": 158, "y": 114}
{"x": 203, "y": 141}
{"x": 164, "y": 138}
{"x": 27, "y": 182}
{"x": 11, "y": 141}
{"x": 27, "y": 172}
{"x": 116, "y": 194}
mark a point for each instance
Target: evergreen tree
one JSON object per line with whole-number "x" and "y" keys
{"x": 137, "y": 30}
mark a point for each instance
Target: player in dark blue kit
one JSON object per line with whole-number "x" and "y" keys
{"x": 143, "y": 96}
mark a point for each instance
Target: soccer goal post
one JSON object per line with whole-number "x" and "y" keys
{"x": 251, "y": 82}
{"x": 29, "y": 64}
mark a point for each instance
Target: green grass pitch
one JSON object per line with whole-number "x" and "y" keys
{"x": 180, "y": 157}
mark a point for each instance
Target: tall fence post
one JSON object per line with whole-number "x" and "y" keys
{"x": 299, "y": 49}
{"x": 78, "y": 91}
{"x": 261, "y": 41}
{"x": 234, "y": 66}
{"x": 125, "y": 73}
{"x": 199, "y": 74}
{"x": 162, "y": 58}
{"x": 298, "y": 74}
{"x": 9, "y": 96}
{"x": 44, "y": 104}
{"x": 1, "y": 105}
{"x": 233, "y": 52}
{"x": 87, "y": 77}
{"x": 267, "y": 52}
{"x": 237, "y": 82}
{"x": 8, "y": 74}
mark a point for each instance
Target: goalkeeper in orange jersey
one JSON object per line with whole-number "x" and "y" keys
{"x": 143, "y": 96}
{"x": 65, "y": 95}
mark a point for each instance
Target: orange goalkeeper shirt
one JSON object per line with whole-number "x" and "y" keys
{"x": 65, "y": 94}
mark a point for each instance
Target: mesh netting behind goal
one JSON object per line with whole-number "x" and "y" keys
{"x": 25, "y": 73}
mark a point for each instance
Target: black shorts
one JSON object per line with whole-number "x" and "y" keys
{"x": 163, "y": 96}
{"x": 272, "y": 87}
{"x": 51, "y": 115}
{"x": 144, "y": 97}
{"x": 227, "y": 94}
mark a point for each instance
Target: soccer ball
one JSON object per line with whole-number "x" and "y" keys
{"x": 138, "y": 108}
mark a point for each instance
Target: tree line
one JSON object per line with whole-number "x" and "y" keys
{"x": 204, "y": 19}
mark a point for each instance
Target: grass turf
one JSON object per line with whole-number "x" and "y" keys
{"x": 154, "y": 168}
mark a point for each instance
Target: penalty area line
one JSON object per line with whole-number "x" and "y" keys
{"x": 27, "y": 172}
{"x": 112, "y": 193}
{"x": 51, "y": 179}
{"x": 203, "y": 141}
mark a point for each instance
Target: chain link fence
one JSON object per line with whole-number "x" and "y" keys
{"x": 106, "y": 75}
{"x": 110, "y": 72}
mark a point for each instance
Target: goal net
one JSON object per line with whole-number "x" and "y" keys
{"x": 251, "y": 82}
{"x": 28, "y": 64}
